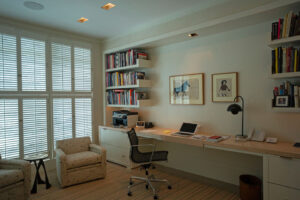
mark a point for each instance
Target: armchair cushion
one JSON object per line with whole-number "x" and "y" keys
{"x": 82, "y": 159}
{"x": 10, "y": 176}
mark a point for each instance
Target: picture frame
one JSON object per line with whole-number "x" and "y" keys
{"x": 187, "y": 89}
{"x": 282, "y": 101}
{"x": 224, "y": 86}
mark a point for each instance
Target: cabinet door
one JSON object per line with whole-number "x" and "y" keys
{"x": 114, "y": 138}
{"x": 117, "y": 155}
{"x": 284, "y": 171}
{"x": 278, "y": 192}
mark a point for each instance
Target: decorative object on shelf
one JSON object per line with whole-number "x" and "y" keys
{"x": 224, "y": 87}
{"x": 235, "y": 109}
{"x": 187, "y": 89}
{"x": 282, "y": 101}
{"x": 140, "y": 124}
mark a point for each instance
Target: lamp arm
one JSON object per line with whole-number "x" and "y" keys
{"x": 235, "y": 99}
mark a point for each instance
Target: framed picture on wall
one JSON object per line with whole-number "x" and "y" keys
{"x": 187, "y": 89}
{"x": 224, "y": 87}
{"x": 282, "y": 101}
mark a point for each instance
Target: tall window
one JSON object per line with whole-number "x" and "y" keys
{"x": 27, "y": 98}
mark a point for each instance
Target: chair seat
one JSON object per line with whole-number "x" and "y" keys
{"x": 82, "y": 159}
{"x": 10, "y": 176}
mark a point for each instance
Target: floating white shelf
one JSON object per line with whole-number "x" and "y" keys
{"x": 285, "y": 109}
{"x": 141, "y": 103}
{"x": 286, "y": 75}
{"x": 285, "y": 41}
{"x": 140, "y": 84}
{"x": 140, "y": 63}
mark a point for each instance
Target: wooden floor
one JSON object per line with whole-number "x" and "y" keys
{"x": 114, "y": 187}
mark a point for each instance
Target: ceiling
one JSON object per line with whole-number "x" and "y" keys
{"x": 128, "y": 15}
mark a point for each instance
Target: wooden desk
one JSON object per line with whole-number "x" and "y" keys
{"x": 281, "y": 161}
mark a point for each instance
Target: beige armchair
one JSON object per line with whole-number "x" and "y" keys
{"x": 78, "y": 161}
{"x": 15, "y": 176}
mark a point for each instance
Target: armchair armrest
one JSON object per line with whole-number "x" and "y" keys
{"x": 100, "y": 150}
{"x": 22, "y": 165}
{"x": 60, "y": 154}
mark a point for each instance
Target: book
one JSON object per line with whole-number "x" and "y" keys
{"x": 274, "y": 30}
{"x": 273, "y": 62}
{"x": 288, "y": 23}
{"x": 280, "y": 60}
{"x": 215, "y": 138}
{"x": 284, "y": 65}
{"x": 276, "y": 60}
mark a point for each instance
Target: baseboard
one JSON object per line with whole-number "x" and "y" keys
{"x": 202, "y": 179}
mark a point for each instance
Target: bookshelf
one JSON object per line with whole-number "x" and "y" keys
{"x": 140, "y": 84}
{"x": 286, "y": 60}
{"x": 125, "y": 79}
{"x": 140, "y": 63}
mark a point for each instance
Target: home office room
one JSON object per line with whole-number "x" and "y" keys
{"x": 195, "y": 100}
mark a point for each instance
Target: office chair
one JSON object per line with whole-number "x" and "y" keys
{"x": 145, "y": 159}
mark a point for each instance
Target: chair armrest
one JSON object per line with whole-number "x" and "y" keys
{"x": 97, "y": 148}
{"x": 60, "y": 154}
{"x": 100, "y": 150}
{"x": 22, "y": 165}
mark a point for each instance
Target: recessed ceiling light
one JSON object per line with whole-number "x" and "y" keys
{"x": 82, "y": 19}
{"x": 108, "y": 6}
{"x": 193, "y": 35}
{"x": 33, "y": 5}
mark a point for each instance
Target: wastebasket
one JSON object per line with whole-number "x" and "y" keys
{"x": 250, "y": 187}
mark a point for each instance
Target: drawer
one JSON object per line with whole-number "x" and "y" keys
{"x": 284, "y": 171}
{"x": 117, "y": 155}
{"x": 115, "y": 138}
{"x": 278, "y": 192}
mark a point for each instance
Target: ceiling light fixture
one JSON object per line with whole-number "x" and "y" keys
{"x": 108, "y": 6}
{"x": 33, "y": 5}
{"x": 193, "y": 35}
{"x": 82, "y": 20}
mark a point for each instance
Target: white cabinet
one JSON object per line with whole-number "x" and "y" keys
{"x": 282, "y": 178}
{"x": 117, "y": 145}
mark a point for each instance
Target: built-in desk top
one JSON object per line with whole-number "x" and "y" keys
{"x": 285, "y": 149}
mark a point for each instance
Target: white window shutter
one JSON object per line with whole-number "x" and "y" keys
{"x": 8, "y": 63}
{"x": 61, "y": 67}
{"x": 83, "y": 117}
{"x": 62, "y": 119}
{"x": 82, "y": 65}
{"x": 33, "y": 61}
{"x": 9, "y": 128}
{"x": 35, "y": 126}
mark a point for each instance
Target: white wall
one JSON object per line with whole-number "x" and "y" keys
{"x": 244, "y": 51}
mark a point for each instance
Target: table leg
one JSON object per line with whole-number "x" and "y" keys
{"x": 39, "y": 180}
{"x": 34, "y": 187}
{"x": 48, "y": 185}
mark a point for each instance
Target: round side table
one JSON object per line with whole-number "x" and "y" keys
{"x": 38, "y": 160}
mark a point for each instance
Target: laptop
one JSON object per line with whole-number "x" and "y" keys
{"x": 187, "y": 129}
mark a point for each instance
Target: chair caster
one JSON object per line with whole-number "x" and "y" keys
{"x": 169, "y": 187}
{"x": 131, "y": 183}
{"x": 129, "y": 194}
{"x": 155, "y": 197}
{"x": 147, "y": 186}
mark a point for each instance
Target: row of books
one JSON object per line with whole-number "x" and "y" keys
{"x": 123, "y": 78}
{"x": 290, "y": 90}
{"x": 125, "y": 97}
{"x": 125, "y": 58}
{"x": 285, "y": 60}
{"x": 286, "y": 27}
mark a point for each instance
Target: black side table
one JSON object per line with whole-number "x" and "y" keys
{"x": 38, "y": 160}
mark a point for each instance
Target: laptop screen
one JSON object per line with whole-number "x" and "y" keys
{"x": 188, "y": 127}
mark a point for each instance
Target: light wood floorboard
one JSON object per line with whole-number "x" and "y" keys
{"x": 114, "y": 187}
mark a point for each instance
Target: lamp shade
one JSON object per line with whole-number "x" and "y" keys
{"x": 234, "y": 108}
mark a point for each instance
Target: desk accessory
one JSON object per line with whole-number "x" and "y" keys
{"x": 149, "y": 125}
{"x": 140, "y": 124}
{"x": 271, "y": 140}
{"x": 235, "y": 109}
{"x": 257, "y": 135}
{"x": 297, "y": 144}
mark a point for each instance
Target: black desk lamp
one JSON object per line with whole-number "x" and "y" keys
{"x": 235, "y": 109}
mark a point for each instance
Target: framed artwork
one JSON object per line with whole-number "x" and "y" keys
{"x": 224, "y": 87}
{"x": 282, "y": 101}
{"x": 187, "y": 89}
